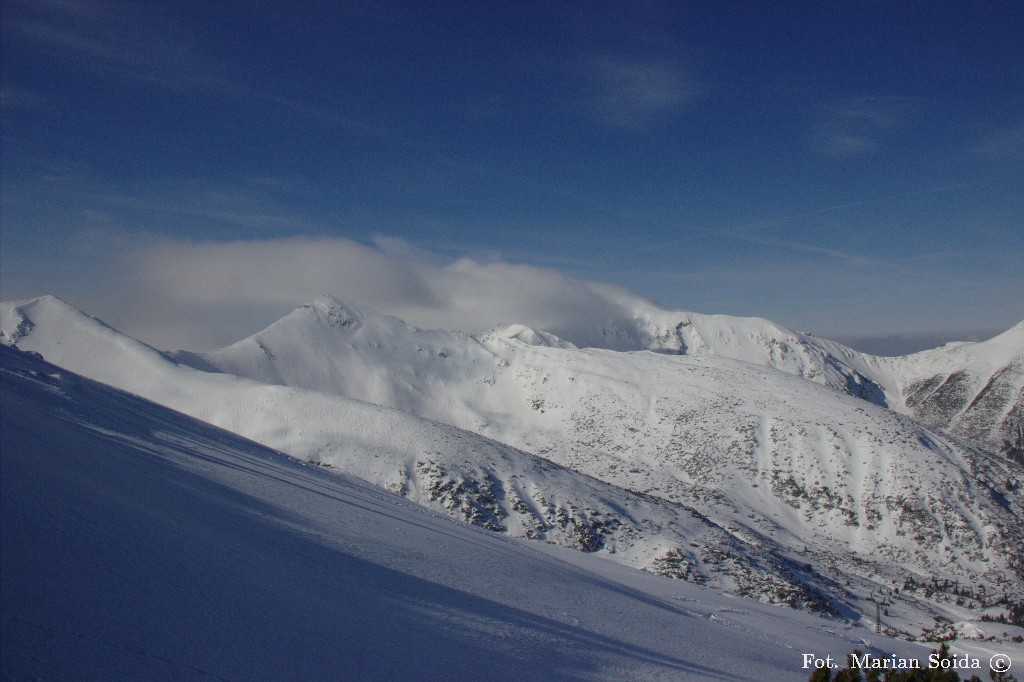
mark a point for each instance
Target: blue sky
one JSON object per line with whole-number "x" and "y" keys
{"x": 852, "y": 169}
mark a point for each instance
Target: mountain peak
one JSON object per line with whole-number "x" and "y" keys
{"x": 47, "y": 301}
{"x": 334, "y": 311}
{"x": 17, "y": 317}
{"x": 530, "y": 336}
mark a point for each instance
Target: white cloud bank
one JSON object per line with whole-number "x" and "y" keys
{"x": 202, "y": 295}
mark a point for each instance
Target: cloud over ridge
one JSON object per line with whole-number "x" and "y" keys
{"x": 201, "y": 295}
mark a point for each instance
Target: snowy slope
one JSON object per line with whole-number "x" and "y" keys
{"x": 837, "y": 482}
{"x": 818, "y": 493}
{"x": 462, "y": 474}
{"x": 750, "y": 339}
{"x": 142, "y": 544}
{"x": 972, "y": 390}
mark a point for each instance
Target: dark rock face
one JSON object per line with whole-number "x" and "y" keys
{"x": 861, "y": 387}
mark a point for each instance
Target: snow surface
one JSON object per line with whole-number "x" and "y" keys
{"x": 972, "y": 390}
{"x": 782, "y": 463}
{"x": 763, "y": 484}
{"x": 139, "y": 543}
{"x": 463, "y": 474}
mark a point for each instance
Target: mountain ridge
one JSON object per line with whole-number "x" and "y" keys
{"x": 458, "y": 473}
{"x": 983, "y": 381}
{"x": 773, "y": 463}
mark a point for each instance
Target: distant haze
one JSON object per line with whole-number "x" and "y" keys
{"x": 904, "y": 344}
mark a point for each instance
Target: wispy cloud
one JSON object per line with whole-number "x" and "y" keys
{"x": 202, "y": 295}
{"x": 175, "y": 293}
{"x": 72, "y": 197}
{"x": 129, "y": 40}
{"x": 140, "y": 42}
{"x": 1005, "y": 143}
{"x": 20, "y": 98}
{"x": 817, "y": 250}
{"x": 628, "y": 93}
{"x": 210, "y": 207}
{"x": 857, "y": 125}
{"x": 206, "y": 294}
{"x": 757, "y": 231}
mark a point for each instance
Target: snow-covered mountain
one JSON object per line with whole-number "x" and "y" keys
{"x": 467, "y": 476}
{"x": 972, "y": 390}
{"x": 711, "y": 469}
{"x": 139, "y": 543}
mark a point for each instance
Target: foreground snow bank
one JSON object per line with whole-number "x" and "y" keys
{"x": 142, "y": 544}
